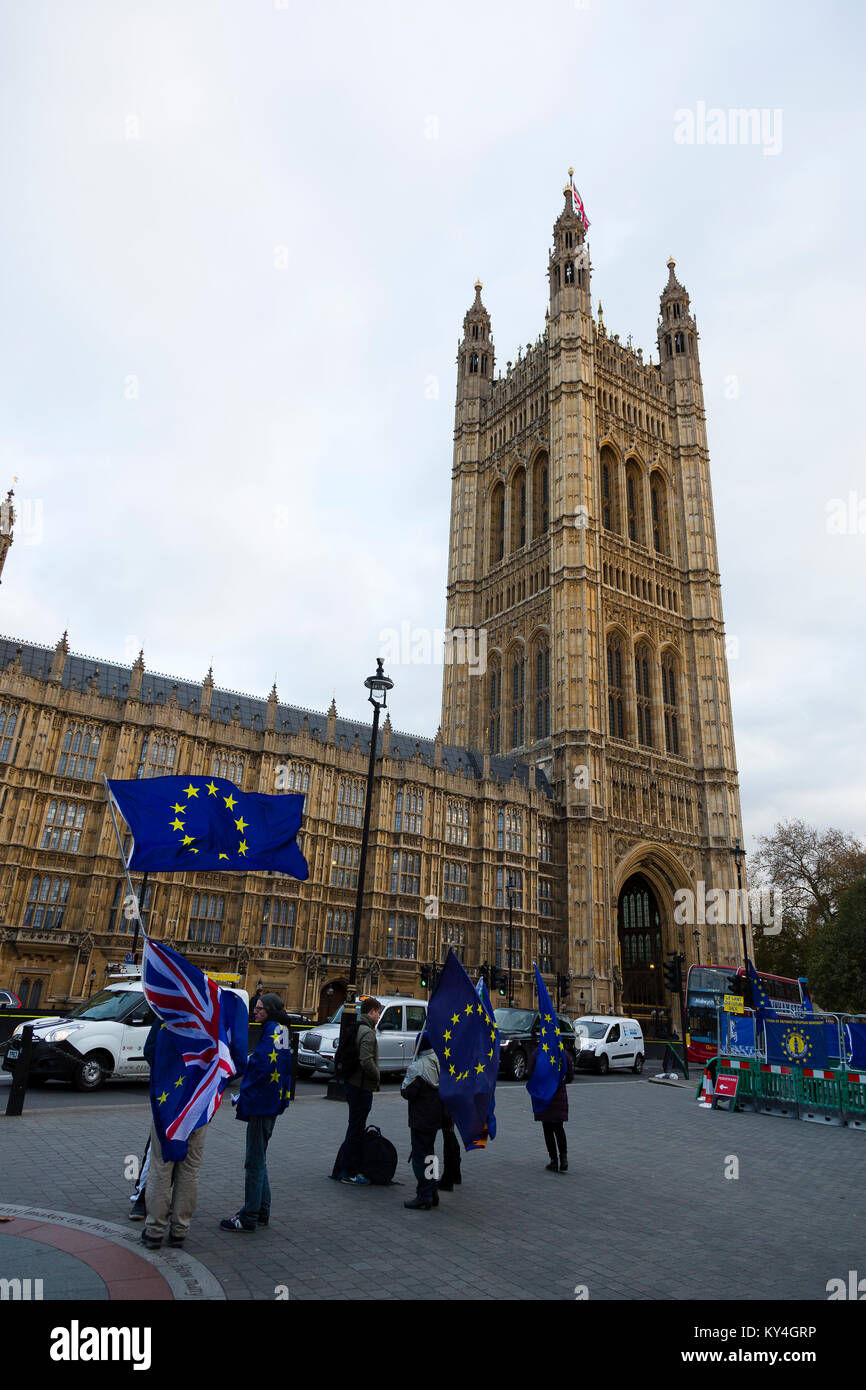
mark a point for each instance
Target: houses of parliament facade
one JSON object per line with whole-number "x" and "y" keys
{"x": 582, "y": 774}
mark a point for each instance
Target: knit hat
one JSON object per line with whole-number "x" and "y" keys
{"x": 274, "y": 1005}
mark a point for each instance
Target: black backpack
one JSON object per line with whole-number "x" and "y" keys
{"x": 378, "y": 1158}
{"x": 347, "y": 1058}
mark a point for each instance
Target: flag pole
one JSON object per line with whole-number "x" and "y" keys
{"x": 110, "y": 798}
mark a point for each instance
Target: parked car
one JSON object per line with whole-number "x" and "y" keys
{"x": 8, "y": 1000}
{"x": 400, "y": 1023}
{"x": 102, "y": 1037}
{"x": 519, "y": 1031}
{"x": 609, "y": 1043}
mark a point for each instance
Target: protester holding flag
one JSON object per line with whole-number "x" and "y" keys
{"x": 265, "y": 1092}
{"x": 421, "y": 1089}
{"x": 464, "y": 1036}
{"x": 552, "y": 1069}
{"x": 555, "y": 1117}
{"x": 201, "y": 1046}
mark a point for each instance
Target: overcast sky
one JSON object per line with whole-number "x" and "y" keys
{"x": 238, "y": 244}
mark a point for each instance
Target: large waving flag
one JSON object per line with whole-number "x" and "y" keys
{"x": 183, "y": 824}
{"x": 550, "y": 1064}
{"x": 201, "y": 1046}
{"x": 464, "y": 1039}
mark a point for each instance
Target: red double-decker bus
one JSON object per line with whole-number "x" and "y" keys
{"x": 706, "y": 987}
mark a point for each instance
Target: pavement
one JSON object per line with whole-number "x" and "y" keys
{"x": 663, "y": 1201}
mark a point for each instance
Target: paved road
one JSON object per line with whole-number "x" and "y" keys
{"x": 646, "y": 1211}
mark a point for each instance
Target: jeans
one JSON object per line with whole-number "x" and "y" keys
{"x": 360, "y": 1102}
{"x": 423, "y": 1166}
{"x": 257, "y": 1189}
{"x": 554, "y": 1138}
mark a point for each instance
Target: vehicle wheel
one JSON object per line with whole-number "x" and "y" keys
{"x": 603, "y": 1065}
{"x": 89, "y": 1075}
{"x": 638, "y": 1064}
{"x": 518, "y": 1066}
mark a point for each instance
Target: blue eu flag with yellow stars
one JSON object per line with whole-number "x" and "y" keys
{"x": 183, "y": 824}
{"x": 799, "y": 1043}
{"x": 761, "y": 1000}
{"x": 550, "y": 1064}
{"x": 463, "y": 1033}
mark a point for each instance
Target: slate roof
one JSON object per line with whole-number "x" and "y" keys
{"x": 112, "y": 681}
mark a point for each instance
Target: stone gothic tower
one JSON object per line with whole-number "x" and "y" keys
{"x": 582, "y": 545}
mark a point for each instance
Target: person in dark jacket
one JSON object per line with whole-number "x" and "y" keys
{"x": 264, "y": 1094}
{"x": 553, "y": 1119}
{"x": 360, "y": 1087}
{"x": 421, "y": 1089}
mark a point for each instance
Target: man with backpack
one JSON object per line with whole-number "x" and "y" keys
{"x": 359, "y": 1061}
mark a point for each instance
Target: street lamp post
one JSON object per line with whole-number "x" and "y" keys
{"x": 509, "y": 895}
{"x": 739, "y": 855}
{"x": 378, "y": 687}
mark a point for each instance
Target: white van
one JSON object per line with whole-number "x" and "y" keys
{"x": 102, "y": 1037}
{"x": 606, "y": 1042}
{"x": 399, "y": 1024}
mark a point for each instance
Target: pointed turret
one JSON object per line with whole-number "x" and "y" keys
{"x": 568, "y": 264}
{"x": 7, "y": 521}
{"x": 135, "y": 677}
{"x": 207, "y": 691}
{"x": 677, "y": 331}
{"x": 61, "y": 652}
{"x": 271, "y": 716}
{"x": 475, "y": 353}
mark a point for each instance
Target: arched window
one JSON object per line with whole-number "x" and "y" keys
{"x": 228, "y": 765}
{"x": 79, "y": 751}
{"x": 634, "y": 502}
{"x": 609, "y": 490}
{"x": 497, "y": 524}
{"x": 157, "y": 758}
{"x": 518, "y": 683}
{"x": 642, "y": 694}
{"x": 670, "y": 682}
{"x": 542, "y": 692}
{"x": 540, "y": 496}
{"x": 658, "y": 494}
{"x": 495, "y": 678}
{"x": 615, "y": 691}
{"x": 518, "y": 510}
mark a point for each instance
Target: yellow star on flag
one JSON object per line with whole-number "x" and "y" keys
{"x": 451, "y": 1070}
{"x": 272, "y": 1056}
{"x": 469, "y": 1009}
{"x": 179, "y": 1081}
{"x": 223, "y": 856}
{"x": 211, "y": 789}
{"x": 188, "y": 840}
{"x": 178, "y": 810}
{"x": 447, "y": 1035}
{"x": 163, "y": 1097}
{"x": 230, "y": 802}
{"x": 479, "y": 1068}
{"x": 275, "y": 1076}
{"x": 177, "y": 824}
{"x": 455, "y": 1018}
{"x": 242, "y": 847}
{"x": 191, "y": 790}
{"x": 242, "y": 824}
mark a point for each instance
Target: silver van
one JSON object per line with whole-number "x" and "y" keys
{"x": 399, "y": 1024}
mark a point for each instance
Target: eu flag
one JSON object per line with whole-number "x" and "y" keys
{"x": 183, "y": 824}
{"x": 463, "y": 1034}
{"x": 550, "y": 1062}
{"x": 761, "y": 1000}
{"x": 481, "y": 991}
{"x": 800, "y": 1043}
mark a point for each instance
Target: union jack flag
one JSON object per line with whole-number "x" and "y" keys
{"x": 206, "y": 1046}
{"x": 577, "y": 204}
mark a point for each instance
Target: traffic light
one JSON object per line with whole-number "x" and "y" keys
{"x": 673, "y": 972}
{"x": 500, "y": 980}
{"x": 426, "y": 976}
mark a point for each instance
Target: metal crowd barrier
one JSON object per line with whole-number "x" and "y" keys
{"x": 832, "y": 1095}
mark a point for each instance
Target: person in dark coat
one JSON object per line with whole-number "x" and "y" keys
{"x": 264, "y": 1094}
{"x": 421, "y": 1089}
{"x": 554, "y": 1118}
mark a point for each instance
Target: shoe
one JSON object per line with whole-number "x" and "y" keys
{"x": 263, "y": 1220}
{"x": 234, "y": 1223}
{"x": 138, "y": 1211}
{"x": 150, "y": 1242}
{"x": 563, "y": 1165}
{"x": 553, "y": 1166}
{"x": 176, "y": 1242}
{"x": 418, "y": 1205}
{"x": 357, "y": 1181}
{"x": 435, "y": 1199}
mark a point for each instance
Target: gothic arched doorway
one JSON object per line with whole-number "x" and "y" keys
{"x": 331, "y": 996}
{"x": 640, "y": 944}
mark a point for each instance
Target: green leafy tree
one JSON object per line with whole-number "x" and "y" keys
{"x": 812, "y": 869}
{"x": 837, "y": 955}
